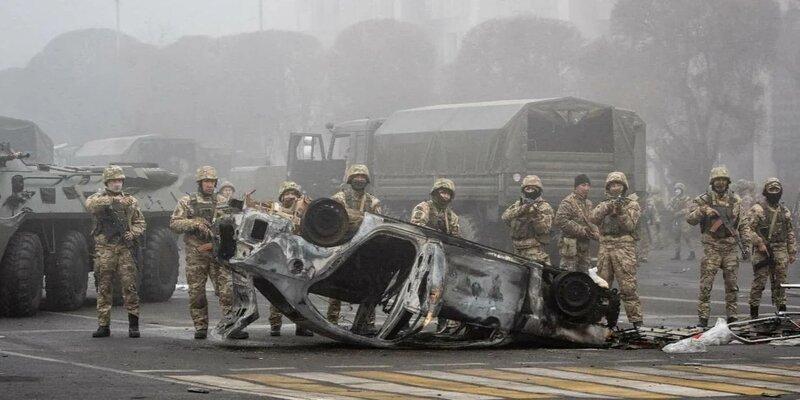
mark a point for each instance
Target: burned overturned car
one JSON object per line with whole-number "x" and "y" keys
{"x": 411, "y": 276}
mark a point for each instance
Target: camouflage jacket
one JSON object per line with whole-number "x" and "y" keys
{"x": 747, "y": 202}
{"x": 191, "y": 212}
{"x": 294, "y": 213}
{"x": 617, "y": 228}
{"x": 363, "y": 202}
{"x": 780, "y": 234}
{"x": 731, "y": 204}
{"x": 572, "y": 217}
{"x": 650, "y": 212}
{"x": 680, "y": 206}
{"x": 433, "y": 216}
{"x": 104, "y": 202}
{"x": 530, "y": 226}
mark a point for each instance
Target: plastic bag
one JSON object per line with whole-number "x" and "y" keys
{"x": 597, "y": 279}
{"x": 718, "y": 335}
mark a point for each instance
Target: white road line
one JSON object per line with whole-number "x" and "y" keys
{"x": 244, "y": 386}
{"x": 106, "y": 369}
{"x": 369, "y": 384}
{"x": 708, "y": 360}
{"x": 789, "y": 358}
{"x": 542, "y": 362}
{"x": 466, "y": 364}
{"x": 642, "y": 360}
{"x": 501, "y": 384}
{"x": 626, "y": 383}
{"x": 764, "y": 370}
{"x": 656, "y": 298}
{"x": 358, "y": 366}
{"x": 261, "y": 369}
{"x": 713, "y": 378}
{"x": 165, "y": 371}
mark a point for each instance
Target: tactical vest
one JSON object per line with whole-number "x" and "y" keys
{"x": 612, "y": 227}
{"x": 203, "y": 209}
{"x": 112, "y": 223}
{"x": 777, "y": 232}
{"x": 522, "y": 228}
{"x": 353, "y": 202}
{"x": 438, "y": 220}
{"x": 725, "y": 210}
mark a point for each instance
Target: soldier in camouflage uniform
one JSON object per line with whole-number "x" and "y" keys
{"x": 436, "y": 212}
{"x": 117, "y": 223}
{"x": 650, "y": 225}
{"x": 680, "y": 205}
{"x": 720, "y": 250}
{"x": 572, "y": 218}
{"x": 226, "y": 191}
{"x": 193, "y": 217}
{"x": 617, "y": 218}
{"x": 355, "y": 199}
{"x": 291, "y": 205}
{"x": 530, "y": 219}
{"x": 771, "y": 228}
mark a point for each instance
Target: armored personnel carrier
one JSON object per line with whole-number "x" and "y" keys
{"x": 45, "y": 231}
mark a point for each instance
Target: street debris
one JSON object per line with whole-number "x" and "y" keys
{"x": 718, "y": 335}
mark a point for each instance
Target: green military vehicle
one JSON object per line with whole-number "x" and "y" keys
{"x": 486, "y": 148}
{"x": 45, "y": 236}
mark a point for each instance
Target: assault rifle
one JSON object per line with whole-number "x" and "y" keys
{"x": 723, "y": 221}
{"x": 116, "y": 230}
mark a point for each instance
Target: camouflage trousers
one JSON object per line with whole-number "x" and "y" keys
{"x": 111, "y": 259}
{"x": 335, "y": 310}
{"x": 718, "y": 256}
{"x": 644, "y": 245}
{"x": 534, "y": 253}
{"x": 199, "y": 268}
{"x": 683, "y": 237}
{"x": 575, "y": 257}
{"x": 617, "y": 259}
{"x": 776, "y": 274}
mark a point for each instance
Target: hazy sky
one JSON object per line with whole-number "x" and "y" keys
{"x": 27, "y": 25}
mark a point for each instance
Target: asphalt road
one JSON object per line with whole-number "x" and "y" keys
{"x": 53, "y": 356}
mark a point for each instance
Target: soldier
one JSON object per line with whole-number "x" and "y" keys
{"x": 680, "y": 205}
{"x": 226, "y": 191}
{"x": 719, "y": 241}
{"x": 436, "y": 212}
{"x": 117, "y": 223}
{"x": 530, "y": 219}
{"x": 572, "y": 218}
{"x": 291, "y": 205}
{"x": 650, "y": 227}
{"x": 772, "y": 231}
{"x": 354, "y": 198}
{"x": 193, "y": 217}
{"x": 617, "y": 218}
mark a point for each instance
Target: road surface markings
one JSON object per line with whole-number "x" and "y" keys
{"x": 419, "y": 381}
{"x": 260, "y": 369}
{"x": 677, "y": 300}
{"x": 254, "y": 388}
{"x": 565, "y": 384}
{"x": 784, "y": 366}
{"x": 305, "y": 385}
{"x": 697, "y": 384}
{"x": 764, "y": 370}
{"x": 732, "y": 373}
{"x": 163, "y": 371}
{"x": 789, "y": 358}
{"x": 713, "y": 378}
{"x": 670, "y": 390}
{"x": 370, "y": 384}
{"x": 358, "y": 366}
{"x": 466, "y": 364}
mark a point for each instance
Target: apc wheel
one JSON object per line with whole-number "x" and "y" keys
{"x": 21, "y": 274}
{"x": 160, "y": 259}
{"x": 66, "y": 279}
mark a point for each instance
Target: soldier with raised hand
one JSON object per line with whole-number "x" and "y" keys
{"x": 617, "y": 218}
{"x": 530, "y": 219}
{"x": 291, "y": 205}
{"x": 193, "y": 217}
{"x": 572, "y": 218}
{"x": 436, "y": 213}
{"x": 773, "y": 240}
{"x": 355, "y": 198}
{"x": 680, "y": 205}
{"x": 720, "y": 247}
{"x": 117, "y": 223}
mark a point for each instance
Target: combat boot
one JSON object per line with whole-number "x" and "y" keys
{"x": 133, "y": 326}
{"x": 275, "y": 330}
{"x": 702, "y": 323}
{"x": 201, "y": 334}
{"x": 241, "y": 335}
{"x": 753, "y": 312}
{"x": 732, "y": 320}
{"x": 691, "y": 256}
{"x": 677, "y": 256}
{"x": 782, "y": 308}
{"x": 102, "y": 331}
{"x": 298, "y": 331}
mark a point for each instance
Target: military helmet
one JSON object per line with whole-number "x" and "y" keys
{"x": 112, "y": 172}
{"x": 206, "y": 173}
{"x": 772, "y": 185}
{"x": 443, "y": 183}
{"x": 679, "y": 186}
{"x": 227, "y": 184}
{"x": 356, "y": 169}
{"x": 288, "y": 186}
{"x": 719, "y": 172}
{"x": 532, "y": 180}
{"x": 618, "y": 177}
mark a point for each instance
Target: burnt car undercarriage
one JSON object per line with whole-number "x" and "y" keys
{"x": 412, "y": 277}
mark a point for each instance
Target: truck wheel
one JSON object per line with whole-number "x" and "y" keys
{"x": 160, "y": 258}
{"x": 66, "y": 278}
{"x": 21, "y": 275}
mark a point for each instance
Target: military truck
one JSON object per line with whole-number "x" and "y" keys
{"x": 45, "y": 231}
{"x": 486, "y": 148}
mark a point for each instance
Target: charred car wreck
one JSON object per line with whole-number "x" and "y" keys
{"x": 412, "y": 275}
